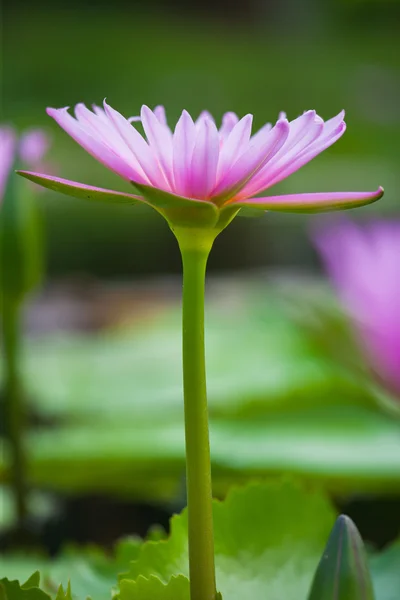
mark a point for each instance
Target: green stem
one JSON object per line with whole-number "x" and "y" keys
{"x": 195, "y": 248}
{"x": 14, "y": 410}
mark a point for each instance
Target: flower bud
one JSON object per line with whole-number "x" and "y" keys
{"x": 342, "y": 573}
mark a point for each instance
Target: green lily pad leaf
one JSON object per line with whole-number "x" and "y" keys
{"x": 385, "y": 569}
{"x": 80, "y": 190}
{"x": 153, "y": 588}
{"x": 32, "y": 581}
{"x": 179, "y": 211}
{"x": 64, "y": 594}
{"x": 268, "y": 539}
{"x": 278, "y": 403}
{"x": 13, "y": 590}
{"x": 92, "y": 572}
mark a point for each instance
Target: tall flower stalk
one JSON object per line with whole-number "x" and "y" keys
{"x": 195, "y": 248}
{"x": 199, "y": 177}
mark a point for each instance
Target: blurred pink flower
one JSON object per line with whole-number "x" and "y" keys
{"x": 8, "y": 144}
{"x": 33, "y": 146}
{"x": 364, "y": 264}
{"x": 225, "y": 167}
{"x": 29, "y": 151}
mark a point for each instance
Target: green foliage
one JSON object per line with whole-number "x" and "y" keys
{"x": 342, "y": 573}
{"x": 268, "y": 539}
{"x": 13, "y": 590}
{"x": 21, "y": 242}
{"x": 385, "y": 569}
{"x": 153, "y": 588}
{"x": 275, "y": 385}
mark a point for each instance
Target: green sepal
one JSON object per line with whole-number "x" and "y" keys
{"x": 342, "y": 573}
{"x": 179, "y": 211}
{"x": 21, "y": 242}
{"x": 80, "y": 190}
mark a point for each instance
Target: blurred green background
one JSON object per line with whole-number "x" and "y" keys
{"x": 255, "y": 56}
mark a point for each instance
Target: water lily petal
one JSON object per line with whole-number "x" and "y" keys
{"x": 303, "y": 132}
{"x": 33, "y": 146}
{"x": 205, "y": 159}
{"x": 312, "y": 202}
{"x": 8, "y": 144}
{"x": 229, "y": 120}
{"x": 138, "y": 146}
{"x": 183, "y": 145}
{"x": 94, "y": 146}
{"x": 160, "y": 139}
{"x": 331, "y": 132}
{"x": 236, "y": 143}
{"x": 258, "y": 153}
{"x": 159, "y": 112}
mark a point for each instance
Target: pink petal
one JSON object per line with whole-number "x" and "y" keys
{"x": 205, "y": 159}
{"x": 160, "y": 139}
{"x": 229, "y": 120}
{"x": 100, "y": 113}
{"x": 8, "y": 143}
{"x": 204, "y": 115}
{"x": 253, "y": 159}
{"x": 137, "y": 144}
{"x": 102, "y": 128}
{"x": 235, "y": 145}
{"x": 183, "y": 145}
{"x": 159, "y": 112}
{"x": 321, "y": 144}
{"x": 94, "y": 146}
{"x": 302, "y": 134}
{"x": 261, "y": 132}
{"x": 33, "y": 146}
{"x": 364, "y": 265}
{"x": 314, "y": 202}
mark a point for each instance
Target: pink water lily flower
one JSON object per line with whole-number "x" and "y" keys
{"x": 199, "y": 174}
{"x": 364, "y": 264}
{"x": 28, "y": 150}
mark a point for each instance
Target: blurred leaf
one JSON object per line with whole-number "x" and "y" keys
{"x": 64, "y": 594}
{"x": 333, "y": 446}
{"x": 13, "y": 590}
{"x": 385, "y": 569}
{"x": 153, "y": 588}
{"x": 270, "y": 549}
{"x": 114, "y": 372}
{"x": 278, "y": 403}
{"x": 40, "y": 504}
{"x": 343, "y": 572}
{"x": 91, "y": 572}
